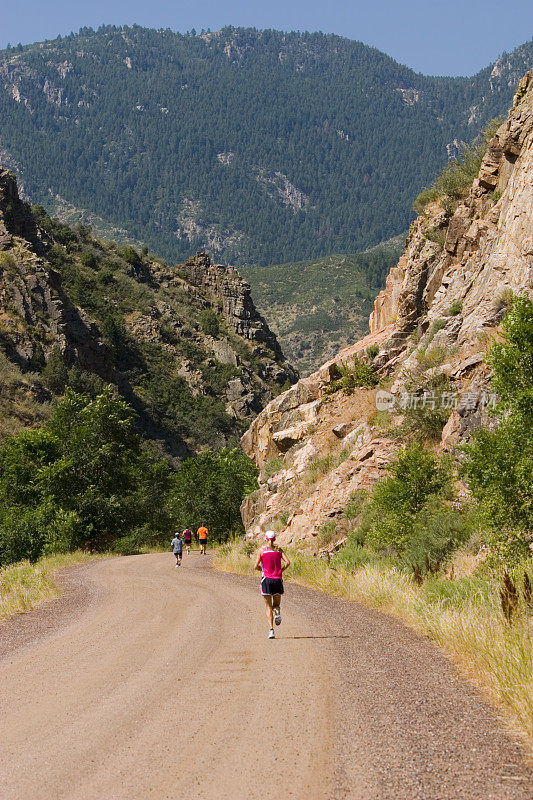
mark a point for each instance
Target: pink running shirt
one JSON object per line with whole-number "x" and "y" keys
{"x": 271, "y": 562}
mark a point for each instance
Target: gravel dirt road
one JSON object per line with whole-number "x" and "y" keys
{"x": 146, "y": 681}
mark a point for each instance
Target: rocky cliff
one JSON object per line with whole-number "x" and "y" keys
{"x": 223, "y": 284}
{"x": 184, "y": 344}
{"x": 327, "y": 438}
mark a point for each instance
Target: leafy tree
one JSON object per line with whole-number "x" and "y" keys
{"x": 498, "y": 464}
{"x": 83, "y": 479}
{"x": 395, "y": 516}
{"x": 55, "y": 373}
{"x": 512, "y": 359}
{"x": 86, "y": 479}
{"x": 209, "y": 489}
{"x": 209, "y": 322}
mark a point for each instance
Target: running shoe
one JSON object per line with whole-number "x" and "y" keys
{"x": 271, "y": 634}
{"x": 277, "y": 615}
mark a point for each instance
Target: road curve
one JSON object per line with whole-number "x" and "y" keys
{"x": 164, "y": 685}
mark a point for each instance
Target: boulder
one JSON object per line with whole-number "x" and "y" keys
{"x": 342, "y": 429}
{"x": 285, "y": 439}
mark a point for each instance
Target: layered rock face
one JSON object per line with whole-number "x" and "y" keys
{"x": 35, "y": 311}
{"x": 223, "y": 283}
{"x": 488, "y": 245}
{"x": 436, "y": 316}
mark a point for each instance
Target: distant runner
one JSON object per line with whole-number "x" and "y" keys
{"x": 202, "y": 538}
{"x": 187, "y": 538}
{"x": 177, "y": 548}
{"x": 271, "y": 560}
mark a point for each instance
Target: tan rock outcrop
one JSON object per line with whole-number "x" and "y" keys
{"x": 437, "y": 313}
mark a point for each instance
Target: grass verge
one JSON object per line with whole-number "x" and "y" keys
{"x": 24, "y": 586}
{"x": 463, "y": 616}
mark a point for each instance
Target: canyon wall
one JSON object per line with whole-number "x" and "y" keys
{"x": 317, "y": 445}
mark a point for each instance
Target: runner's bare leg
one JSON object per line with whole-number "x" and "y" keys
{"x": 269, "y": 611}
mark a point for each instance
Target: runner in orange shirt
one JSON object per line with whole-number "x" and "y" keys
{"x": 202, "y": 538}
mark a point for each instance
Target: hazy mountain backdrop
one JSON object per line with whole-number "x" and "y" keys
{"x": 260, "y": 146}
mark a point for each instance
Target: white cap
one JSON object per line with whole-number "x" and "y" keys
{"x": 270, "y": 535}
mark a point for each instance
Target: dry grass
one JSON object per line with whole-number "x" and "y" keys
{"x": 462, "y": 616}
{"x": 19, "y": 408}
{"x": 24, "y": 586}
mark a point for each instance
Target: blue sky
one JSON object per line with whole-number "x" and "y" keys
{"x": 439, "y": 37}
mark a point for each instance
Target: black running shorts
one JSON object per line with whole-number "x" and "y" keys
{"x": 270, "y": 586}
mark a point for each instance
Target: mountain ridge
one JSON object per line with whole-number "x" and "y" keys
{"x": 259, "y": 146}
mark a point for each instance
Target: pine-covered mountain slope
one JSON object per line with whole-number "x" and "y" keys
{"x": 183, "y": 344}
{"x": 422, "y": 372}
{"x": 318, "y": 307}
{"x": 259, "y": 146}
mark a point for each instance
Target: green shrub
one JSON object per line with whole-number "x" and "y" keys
{"x": 23, "y": 532}
{"x": 7, "y": 262}
{"x": 327, "y": 533}
{"x": 424, "y": 424}
{"x": 216, "y": 377}
{"x": 371, "y": 351}
{"x": 37, "y": 359}
{"x": 105, "y": 276}
{"x": 437, "y": 235}
{"x": 401, "y": 502}
{"x": 436, "y": 326}
{"x": 209, "y": 322}
{"x": 364, "y": 374}
{"x": 498, "y": 463}
{"x": 272, "y": 466}
{"x": 508, "y": 545}
{"x": 354, "y": 505}
{"x": 455, "y": 308}
{"x": 280, "y": 523}
{"x": 57, "y": 256}
{"x": 85, "y": 382}
{"x": 457, "y": 176}
{"x": 353, "y": 555}
{"x": 360, "y": 375}
{"x": 437, "y": 531}
{"x": 129, "y": 254}
{"x": 431, "y": 357}
{"x": 63, "y": 533}
{"x": 318, "y": 467}
{"x": 285, "y": 516}
{"x": 141, "y": 538}
{"x": 55, "y": 373}
{"x": 249, "y": 547}
{"x": 88, "y": 259}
